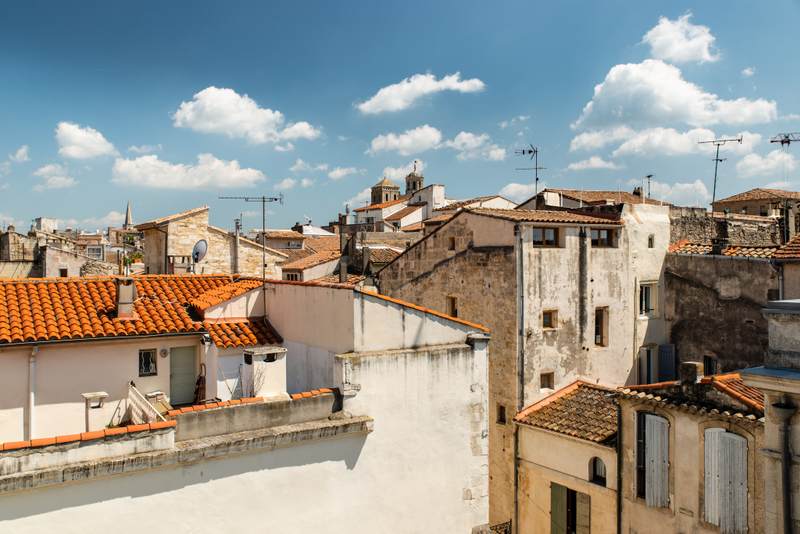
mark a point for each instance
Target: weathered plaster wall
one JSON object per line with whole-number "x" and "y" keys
{"x": 698, "y": 226}
{"x": 686, "y": 446}
{"x": 713, "y": 304}
{"x": 483, "y": 282}
{"x": 55, "y": 259}
{"x": 63, "y": 371}
{"x": 431, "y": 401}
{"x": 539, "y": 467}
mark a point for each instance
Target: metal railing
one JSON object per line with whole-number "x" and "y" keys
{"x": 141, "y": 409}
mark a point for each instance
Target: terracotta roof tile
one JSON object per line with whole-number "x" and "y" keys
{"x": 547, "y": 216}
{"x": 604, "y": 197}
{"x": 85, "y": 308}
{"x": 223, "y": 293}
{"x": 282, "y": 234}
{"x": 382, "y": 255}
{"x": 789, "y": 251}
{"x": 581, "y": 410}
{"x": 760, "y": 193}
{"x": 686, "y": 247}
{"x": 416, "y": 227}
{"x": 242, "y": 333}
{"x": 467, "y": 203}
{"x": 382, "y": 205}
{"x": 312, "y": 260}
{"x": 732, "y": 384}
{"x": 408, "y": 210}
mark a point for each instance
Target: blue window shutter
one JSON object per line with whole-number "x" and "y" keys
{"x": 666, "y": 363}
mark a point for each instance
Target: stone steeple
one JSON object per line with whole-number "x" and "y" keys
{"x": 384, "y": 191}
{"x": 414, "y": 181}
{"x": 128, "y": 218}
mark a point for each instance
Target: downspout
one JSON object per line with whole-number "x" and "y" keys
{"x": 29, "y": 431}
{"x": 518, "y": 245}
{"x": 619, "y": 468}
{"x": 784, "y": 412}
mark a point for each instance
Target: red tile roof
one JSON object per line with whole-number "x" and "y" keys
{"x": 547, "y": 216}
{"x": 469, "y": 202}
{"x": 382, "y": 205}
{"x": 85, "y": 308}
{"x": 603, "y": 197}
{"x": 732, "y": 385}
{"x": 581, "y": 410}
{"x": 416, "y": 227}
{"x": 283, "y": 234}
{"x": 789, "y": 251}
{"x": 242, "y": 333}
{"x": 222, "y": 293}
{"x": 408, "y": 210}
{"x": 686, "y": 247}
{"x": 86, "y": 436}
{"x": 760, "y": 193}
{"x": 311, "y": 260}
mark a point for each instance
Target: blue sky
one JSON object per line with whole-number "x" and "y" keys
{"x": 171, "y": 104}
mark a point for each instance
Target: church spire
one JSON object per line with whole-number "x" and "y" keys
{"x": 128, "y": 218}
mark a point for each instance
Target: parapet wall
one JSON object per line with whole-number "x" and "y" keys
{"x": 697, "y": 225}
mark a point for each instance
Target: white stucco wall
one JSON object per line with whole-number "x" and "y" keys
{"x": 65, "y": 370}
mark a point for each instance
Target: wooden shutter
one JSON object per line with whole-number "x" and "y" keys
{"x": 733, "y": 483}
{"x": 583, "y": 513}
{"x": 558, "y": 509}
{"x": 666, "y": 363}
{"x": 711, "y": 455}
{"x": 657, "y": 461}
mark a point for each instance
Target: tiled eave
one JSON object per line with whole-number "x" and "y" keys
{"x": 691, "y": 408}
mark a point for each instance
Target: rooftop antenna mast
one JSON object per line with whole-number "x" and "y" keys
{"x": 533, "y": 152}
{"x": 718, "y": 143}
{"x": 649, "y": 178}
{"x": 786, "y": 140}
{"x": 263, "y": 200}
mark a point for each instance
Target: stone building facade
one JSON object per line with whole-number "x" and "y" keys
{"x": 557, "y": 312}
{"x": 697, "y": 225}
{"x": 168, "y": 244}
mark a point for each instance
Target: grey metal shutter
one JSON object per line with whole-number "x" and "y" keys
{"x": 711, "y": 475}
{"x": 666, "y": 363}
{"x": 583, "y": 513}
{"x": 558, "y": 509}
{"x": 657, "y": 461}
{"x": 733, "y": 483}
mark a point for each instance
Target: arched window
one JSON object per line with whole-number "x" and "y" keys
{"x": 597, "y": 471}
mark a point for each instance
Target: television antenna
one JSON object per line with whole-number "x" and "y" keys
{"x": 786, "y": 140}
{"x": 718, "y": 143}
{"x": 533, "y": 152}
{"x": 263, "y": 200}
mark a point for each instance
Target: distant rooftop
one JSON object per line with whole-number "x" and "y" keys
{"x": 760, "y": 193}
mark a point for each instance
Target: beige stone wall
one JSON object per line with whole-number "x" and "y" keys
{"x": 539, "y": 468}
{"x": 484, "y": 284}
{"x": 185, "y": 232}
{"x": 686, "y": 483}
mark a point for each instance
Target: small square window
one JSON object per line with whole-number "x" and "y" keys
{"x": 451, "y": 243}
{"x": 648, "y": 299}
{"x": 651, "y": 241}
{"x": 550, "y": 319}
{"x": 63, "y": 273}
{"x": 547, "y": 380}
{"x": 501, "y": 414}
{"x": 601, "y": 327}
{"x": 147, "y": 362}
{"x": 602, "y": 238}
{"x": 544, "y": 237}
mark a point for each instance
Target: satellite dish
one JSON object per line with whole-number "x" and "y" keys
{"x": 199, "y": 250}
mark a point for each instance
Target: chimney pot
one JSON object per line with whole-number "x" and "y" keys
{"x": 126, "y": 296}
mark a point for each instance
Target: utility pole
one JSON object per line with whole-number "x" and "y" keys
{"x": 649, "y": 177}
{"x": 533, "y": 152}
{"x": 718, "y": 143}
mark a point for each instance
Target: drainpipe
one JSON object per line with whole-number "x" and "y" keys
{"x": 783, "y": 412}
{"x": 518, "y": 230}
{"x": 31, "y": 392}
{"x": 619, "y": 468}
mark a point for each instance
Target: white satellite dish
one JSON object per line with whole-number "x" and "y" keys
{"x": 199, "y": 250}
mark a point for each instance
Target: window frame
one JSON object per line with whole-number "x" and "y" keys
{"x": 553, "y": 314}
{"x": 551, "y": 379}
{"x": 652, "y": 299}
{"x": 604, "y": 326}
{"x": 651, "y": 241}
{"x": 542, "y": 241}
{"x": 594, "y": 476}
{"x": 609, "y": 241}
{"x": 451, "y": 303}
{"x": 451, "y": 243}
{"x": 500, "y": 414}
{"x": 642, "y": 462}
{"x": 153, "y": 361}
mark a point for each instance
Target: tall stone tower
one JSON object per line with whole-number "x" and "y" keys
{"x": 384, "y": 191}
{"x": 414, "y": 181}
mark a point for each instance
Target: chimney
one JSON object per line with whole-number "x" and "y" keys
{"x": 126, "y": 296}
{"x": 237, "y": 225}
{"x": 637, "y": 191}
{"x": 343, "y": 259}
{"x": 688, "y": 373}
{"x": 718, "y": 245}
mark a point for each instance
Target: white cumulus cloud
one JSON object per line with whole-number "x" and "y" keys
{"x": 680, "y": 41}
{"x": 671, "y": 142}
{"x": 306, "y": 183}
{"x": 208, "y": 172}
{"x": 82, "y": 142}
{"x": 359, "y": 199}
{"x": 286, "y": 184}
{"x": 54, "y": 176}
{"x": 405, "y": 93}
{"x": 681, "y": 193}
{"x": 145, "y": 149}
{"x": 20, "y": 155}
{"x": 410, "y": 142}
{"x": 474, "y": 146}
{"x": 517, "y": 192}
{"x": 398, "y": 173}
{"x": 303, "y": 166}
{"x": 594, "y": 162}
{"x": 748, "y": 72}
{"x": 775, "y": 164}
{"x": 338, "y": 173}
{"x": 512, "y": 121}
{"x": 224, "y": 111}
{"x": 599, "y": 138}
{"x": 654, "y": 92}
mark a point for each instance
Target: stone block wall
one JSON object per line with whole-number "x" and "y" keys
{"x": 713, "y": 306}
{"x": 699, "y": 226}
{"x": 483, "y": 282}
